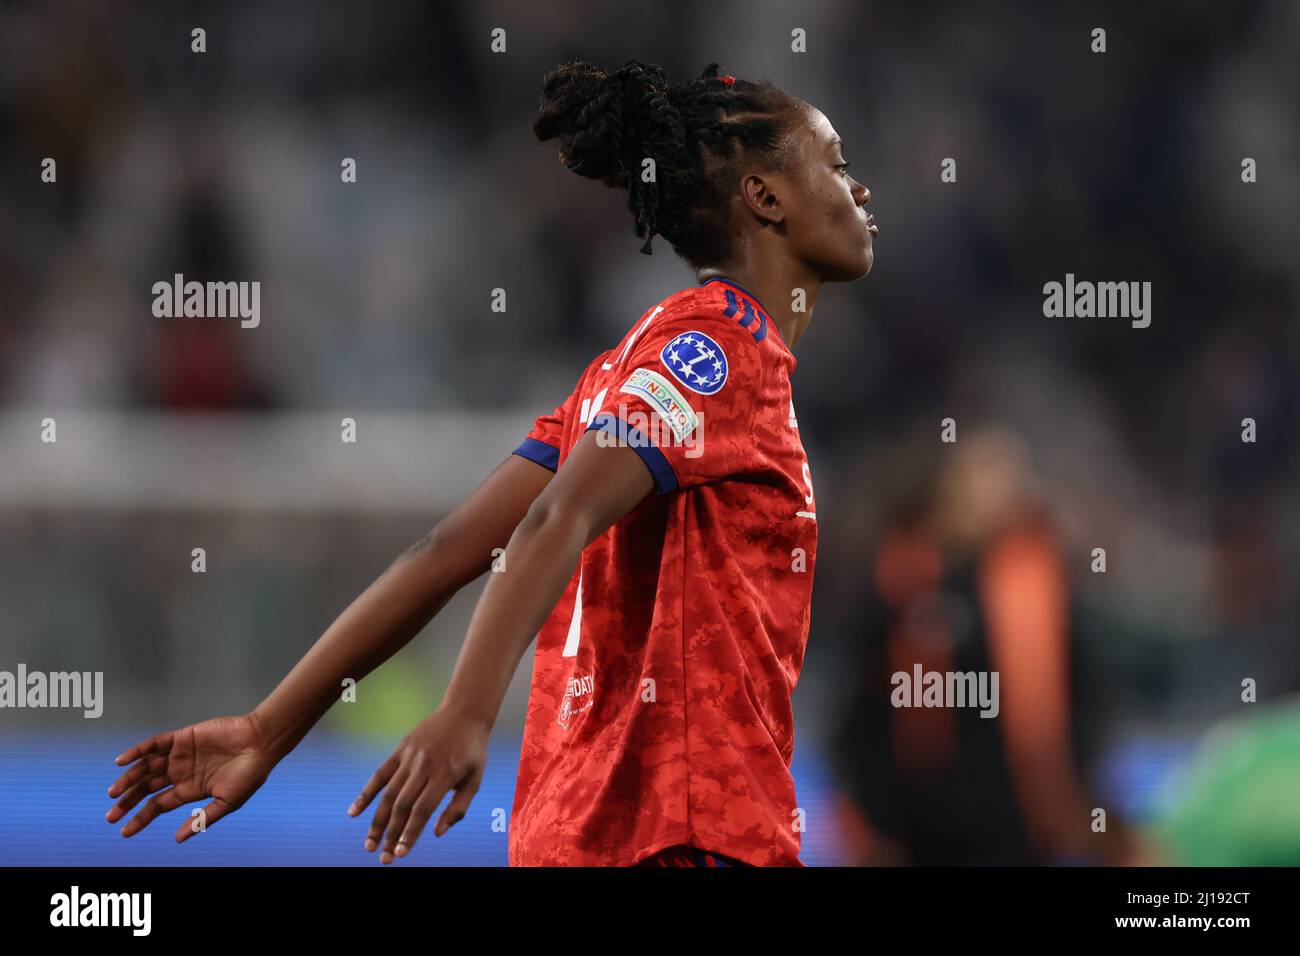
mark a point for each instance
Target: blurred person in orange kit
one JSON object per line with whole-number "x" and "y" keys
{"x": 969, "y": 576}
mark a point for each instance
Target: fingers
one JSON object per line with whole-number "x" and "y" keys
{"x": 213, "y": 812}
{"x": 149, "y": 767}
{"x": 134, "y": 795}
{"x": 415, "y": 779}
{"x": 384, "y": 811}
{"x": 376, "y": 783}
{"x": 459, "y": 804}
{"x": 421, "y": 796}
{"x": 159, "y": 744}
{"x": 425, "y": 804}
{"x": 165, "y": 802}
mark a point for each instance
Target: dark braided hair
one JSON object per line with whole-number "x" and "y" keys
{"x": 608, "y": 123}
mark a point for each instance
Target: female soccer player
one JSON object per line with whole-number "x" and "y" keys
{"x": 659, "y": 528}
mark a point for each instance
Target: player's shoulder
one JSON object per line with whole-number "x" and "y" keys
{"x": 700, "y": 334}
{"x": 714, "y": 301}
{"x": 719, "y": 309}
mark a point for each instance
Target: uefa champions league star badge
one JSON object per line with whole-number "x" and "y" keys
{"x": 696, "y": 361}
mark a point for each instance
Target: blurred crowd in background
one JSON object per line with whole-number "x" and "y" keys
{"x": 1072, "y": 433}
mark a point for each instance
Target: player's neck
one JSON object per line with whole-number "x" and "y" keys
{"x": 788, "y": 299}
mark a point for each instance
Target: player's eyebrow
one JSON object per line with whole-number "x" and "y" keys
{"x": 835, "y": 141}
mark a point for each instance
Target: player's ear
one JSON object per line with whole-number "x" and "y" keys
{"x": 761, "y": 196}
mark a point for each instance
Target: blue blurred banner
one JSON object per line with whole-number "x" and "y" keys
{"x": 53, "y": 788}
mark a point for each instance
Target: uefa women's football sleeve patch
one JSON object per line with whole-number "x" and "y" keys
{"x": 697, "y": 361}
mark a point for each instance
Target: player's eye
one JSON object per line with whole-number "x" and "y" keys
{"x": 841, "y": 166}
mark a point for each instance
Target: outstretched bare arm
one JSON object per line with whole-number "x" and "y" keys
{"x": 229, "y": 758}
{"x": 403, "y": 600}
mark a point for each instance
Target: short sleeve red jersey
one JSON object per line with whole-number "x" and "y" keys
{"x": 660, "y": 705}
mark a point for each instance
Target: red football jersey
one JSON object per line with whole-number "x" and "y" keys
{"x": 660, "y": 705}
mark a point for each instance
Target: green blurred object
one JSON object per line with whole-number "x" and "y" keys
{"x": 390, "y": 701}
{"x": 1238, "y": 804}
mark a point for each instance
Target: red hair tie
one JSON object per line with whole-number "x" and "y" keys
{"x": 728, "y": 79}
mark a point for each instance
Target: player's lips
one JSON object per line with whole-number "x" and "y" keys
{"x": 871, "y": 225}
